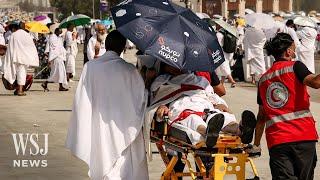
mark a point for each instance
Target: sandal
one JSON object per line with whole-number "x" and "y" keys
{"x": 233, "y": 85}
{"x": 215, "y": 125}
{"x": 21, "y": 94}
{"x": 45, "y": 87}
{"x": 63, "y": 89}
{"x": 247, "y": 126}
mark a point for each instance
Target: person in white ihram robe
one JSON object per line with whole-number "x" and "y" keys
{"x": 224, "y": 70}
{"x": 254, "y": 41}
{"x": 57, "y": 57}
{"x": 307, "y": 36}
{"x": 72, "y": 51}
{"x": 2, "y": 44}
{"x": 105, "y": 129}
{"x": 318, "y": 39}
{"x": 21, "y": 54}
{"x": 96, "y": 44}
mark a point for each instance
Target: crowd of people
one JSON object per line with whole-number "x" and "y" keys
{"x": 51, "y": 55}
{"x": 250, "y": 59}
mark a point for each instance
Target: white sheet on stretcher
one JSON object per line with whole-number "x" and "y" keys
{"x": 194, "y": 136}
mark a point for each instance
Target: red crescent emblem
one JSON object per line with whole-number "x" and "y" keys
{"x": 275, "y": 99}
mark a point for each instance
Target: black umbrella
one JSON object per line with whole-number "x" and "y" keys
{"x": 171, "y": 33}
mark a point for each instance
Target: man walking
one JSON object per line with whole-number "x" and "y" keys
{"x": 57, "y": 56}
{"x": 105, "y": 129}
{"x": 21, "y": 54}
{"x": 284, "y": 108}
{"x": 72, "y": 51}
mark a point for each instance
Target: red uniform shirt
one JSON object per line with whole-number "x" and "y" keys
{"x": 286, "y": 104}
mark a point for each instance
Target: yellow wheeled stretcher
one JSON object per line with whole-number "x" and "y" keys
{"x": 227, "y": 157}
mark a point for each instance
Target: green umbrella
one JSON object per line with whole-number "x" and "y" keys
{"x": 77, "y": 20}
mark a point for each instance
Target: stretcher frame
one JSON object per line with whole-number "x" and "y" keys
{"x": 229, "y": 155}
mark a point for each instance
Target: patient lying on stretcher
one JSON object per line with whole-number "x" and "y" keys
{"x": 189, "y": 100}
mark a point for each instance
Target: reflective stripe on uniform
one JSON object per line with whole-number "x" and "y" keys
{"x": 288, "y": 117}
{"x": 277, "y": 73}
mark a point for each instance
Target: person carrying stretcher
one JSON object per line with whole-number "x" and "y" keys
{"x": 190, "y": 100}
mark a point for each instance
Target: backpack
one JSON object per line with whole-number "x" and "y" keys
{"x": 229, "y": 42}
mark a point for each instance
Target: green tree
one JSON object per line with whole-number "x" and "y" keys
{"x": 306, "y": 5}
{"x": 65, "y": 7}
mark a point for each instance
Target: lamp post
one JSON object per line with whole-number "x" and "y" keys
{"x": 93, "y": 14}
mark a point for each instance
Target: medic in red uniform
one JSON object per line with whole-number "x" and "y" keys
{"x": 284, "y": 111}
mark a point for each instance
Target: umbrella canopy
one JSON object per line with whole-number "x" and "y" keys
{"x": 77, "y": 20}
{"x": 241, "y": 22}
{"x": 260, "y": 21}
{"x": 304, "y": 21}
{"x": 203, "y": 15}
{"x": 249, "y": 11}
{"x": 316, "y": 20}
{"x": 217, "y": 16}
{"x": 43, "y": 19}
{"x": 231, "y": 29}
{"x": 54, "y": 26}
{"x": 37, "y": 27}
{"x": 172, "y": 34}
{"x": 106, "y": 22}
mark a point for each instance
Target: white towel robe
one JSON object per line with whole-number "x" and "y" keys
{"x": 90, "y": 48}
{"x": 224, "y": 68}
{"x": 254, "y": 41}
{"x": 2, "y": 42}
{"x": 57, "y": 56}
{"x": 106, "y": 123}
{"x": 306, "y": 50}
{"x": 21, "y": 51}
{"x": 72, "y": 51}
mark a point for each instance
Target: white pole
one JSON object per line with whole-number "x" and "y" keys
{"x": 93, "y": 15}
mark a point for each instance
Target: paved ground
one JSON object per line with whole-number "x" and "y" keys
{"x": 49, "y": 112}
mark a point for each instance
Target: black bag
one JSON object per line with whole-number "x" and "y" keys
{"x": 229, "y": 42}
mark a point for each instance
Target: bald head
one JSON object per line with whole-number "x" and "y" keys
{"x": 100, "y": 29}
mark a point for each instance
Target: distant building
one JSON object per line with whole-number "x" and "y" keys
{"x": 39, "y": 3}
{"x": 228, "y": 8}
{"x": 194, "y": 5}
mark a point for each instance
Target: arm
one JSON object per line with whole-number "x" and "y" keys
{"x": 162, "y": 111}
{"x": 220, "y": 90}
{"x": 260, "y": 126}
{"x": 90, "y": 50}
{"x": 305, "y": 76}
{"x": 312, "y": 80}
{"x": 218, "y": 87}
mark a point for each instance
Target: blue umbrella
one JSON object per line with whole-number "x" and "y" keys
{"x": 171, "y": 33}
{"x": 106, "y": 22}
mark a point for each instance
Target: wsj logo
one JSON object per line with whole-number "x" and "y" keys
{"x": 27, "y": 144}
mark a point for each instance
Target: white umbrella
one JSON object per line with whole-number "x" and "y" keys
{"x": 232, "y": 30}
{"x": 304, "y": 21}
{"x": 316, "y": 20}
{"x": 302, "y": 13}
{"x": 249, "y": 11}
{"x": 260, "y": 21}
{"x": 203, "y": 15}
{"x": 53, "y": 27}
{"x": 217, "y": 16}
